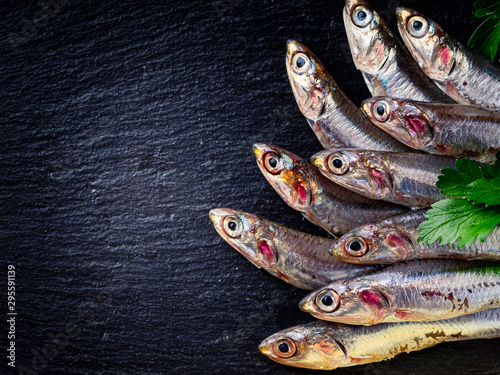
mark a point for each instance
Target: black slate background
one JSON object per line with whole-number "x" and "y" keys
{"x": 123, "y": 123}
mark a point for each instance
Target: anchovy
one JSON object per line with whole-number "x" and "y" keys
{"x": 327, "y": 346}
{"x": 295, "y": 257}
{"x": 386, "y": 65}
{"x": 395, "y": 240}
{"x": 334, "y": 118}
{"x": 417, "y": 291}
{"x": 444, "y": 129}
{"x": 305, "y": 189}
{"x": 463, "y": 74}
{"x": 403, "y": 178}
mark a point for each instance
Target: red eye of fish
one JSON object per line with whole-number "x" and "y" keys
{"x": 285, "y": 348}
{"x": 273, "y": 162}
{"x": 356, "y": 247}
{"x": 418, "y": 26}
{"x": 266, "y": 251}
{"x": 381, "y": 110}
{"x": 328, "y": 301}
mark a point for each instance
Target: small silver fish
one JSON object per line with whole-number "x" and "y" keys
{"x": 396, "y": 240}
{"x": 327, "y": 346}
{"x": 403, "y": 178}
{"x": 387, "y": 67}
{"x": 305, "y": 189}
{"x": 463, "y": 74}
{"x": 334, "y": 118}
{"x": 418, "y": 291}
{"x": 443, "y": 129}
{"x": 295, "y": 257}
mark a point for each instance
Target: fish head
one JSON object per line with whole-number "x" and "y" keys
{"x": 247, "y": 234}
{"x": 431, "y": 47}
{"x": 376, "y": 243}
{"x": 372, "y": 43}
{"x": 350, "y": 302}
{"x": 403, "y": 119}
{"x": 288, "y": 174}
{"x": 309, "y": 79}
{"x": 309, "y": 346}
{"x": 357, "y": 170}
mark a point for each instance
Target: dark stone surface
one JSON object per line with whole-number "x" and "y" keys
{"x": 123, "y": 123}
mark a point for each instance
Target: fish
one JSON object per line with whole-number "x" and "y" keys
{"x": 387, "y": 67}
{"x": 305, "y": 189}
{"x": 326, "y": 346}
{"x": 295, "y": 257}
{"x": 408, "y": 179}
{"x": 396, "y": 240}
{"x": 455, "y": 130}
{"x": 417, "y": 291}
{"x": 460, "y": 72}
{"x": 334, "y": 118}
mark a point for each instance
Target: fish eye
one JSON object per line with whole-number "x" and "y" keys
{"x": 381, "y": 110}
{"x": 300, "y": 63}
{"x": 338, "y": 163}
{"x": 362, "y": 16}
{"x": 285, "y": 348}
{"x": 328, "y": 301}
{"x": 273, "y": 162}
{"x": 232, "y": 226}
{"x": 356, "y": 246}
{"x": 418, "y": 26}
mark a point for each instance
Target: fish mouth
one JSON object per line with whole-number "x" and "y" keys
{"x": 292, "y": 47}
{"x": 307, "y": 304}
{"x": 264, "y": 348}
{"x": 403, "y": 14}
{"x": 259, "y": 150}
{"x": 218, "y": 214}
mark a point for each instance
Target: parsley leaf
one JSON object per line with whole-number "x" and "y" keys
{"x": 480, "y": 184}
{"x": 486, "y": 38}
{"x": 452, "y": 219}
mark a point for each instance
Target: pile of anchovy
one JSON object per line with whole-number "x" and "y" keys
{"x": 376, "y": 290}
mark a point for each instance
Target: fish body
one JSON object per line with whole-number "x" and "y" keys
{"x": 463, "y": 74}
{"x": 386, "y": 65}
{"x": 421, "y": 290}
{"x": 334, "y": 118}
{"x": 326, "y": 346}
{"x": 305, "y": 189}
{"x": 295, "y": 257}
{"x": 408, "y": 179}
{"x": 396, "y": 240}
{"x": 443, "y": 129}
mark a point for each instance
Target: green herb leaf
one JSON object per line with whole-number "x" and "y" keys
{"x": 452, "y": 219}
{"x": 486, "y": 38}
{"x": 482, "y": 8}
{"x": 479, "y": 184}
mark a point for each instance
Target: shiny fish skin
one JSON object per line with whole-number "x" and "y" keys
{"x": 422, "y": 290}
{"x": 463, "y": 74}
{"x": 444, "y": 129}
{"x": 295, "y": 257}
{"x": 334, "y": 118}
{"x": 386, "y": 65}
{"x": 327, "y": 346}
{"x": 395, "y": 240}
{"x": 408, "y": 179}
{"x": 305, "y": 189}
